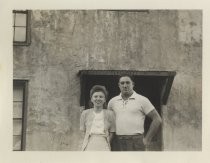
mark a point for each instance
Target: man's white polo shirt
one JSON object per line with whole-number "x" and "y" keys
{"x": 130, "y": 114}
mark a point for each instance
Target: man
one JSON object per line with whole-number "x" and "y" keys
{"x": 130, "y": 109}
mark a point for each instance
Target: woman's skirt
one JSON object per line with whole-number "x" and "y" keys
{"x": 97, "y": 143}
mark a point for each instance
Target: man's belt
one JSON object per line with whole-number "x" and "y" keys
{"x": 130, "y": 136}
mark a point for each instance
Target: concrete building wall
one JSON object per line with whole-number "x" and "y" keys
{"x": 64, "y": 42}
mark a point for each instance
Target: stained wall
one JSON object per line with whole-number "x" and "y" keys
{"x": 66, "y": 41}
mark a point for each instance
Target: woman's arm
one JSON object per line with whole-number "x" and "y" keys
{"x": 82, "y": 123}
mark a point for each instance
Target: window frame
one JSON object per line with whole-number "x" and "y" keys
{"x": 23, "y": 83}
{"x": 27, "y": 42}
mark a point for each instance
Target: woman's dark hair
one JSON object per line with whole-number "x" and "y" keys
{"x": 98, "y": 88}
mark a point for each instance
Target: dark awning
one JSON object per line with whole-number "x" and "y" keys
{"x": 131, "y": 72}
{"x": 168, "y": 75}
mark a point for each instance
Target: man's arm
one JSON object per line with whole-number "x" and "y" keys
{"x": 156, "y": 122}
{"x": 113, "y": 124}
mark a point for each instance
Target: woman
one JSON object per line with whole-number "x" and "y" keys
{"x": 97, "y": 123}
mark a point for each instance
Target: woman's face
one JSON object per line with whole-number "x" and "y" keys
{"x": 98, "y": 99}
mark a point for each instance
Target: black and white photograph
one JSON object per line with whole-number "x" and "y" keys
{"x": 117, "y": 81}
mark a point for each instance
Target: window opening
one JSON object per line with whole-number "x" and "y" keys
{"x": 19, "y": 114}
{"x": 21, "y": 30}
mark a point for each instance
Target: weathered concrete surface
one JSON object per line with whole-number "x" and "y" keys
{"x": 64, "y": 42}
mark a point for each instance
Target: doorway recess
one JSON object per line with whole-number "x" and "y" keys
{"x": 155, "y": 85}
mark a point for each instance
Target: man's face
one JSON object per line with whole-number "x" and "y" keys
{"x": 126, "y": 85}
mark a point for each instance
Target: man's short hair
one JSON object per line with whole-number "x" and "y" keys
{"x": 126, "y": 75}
